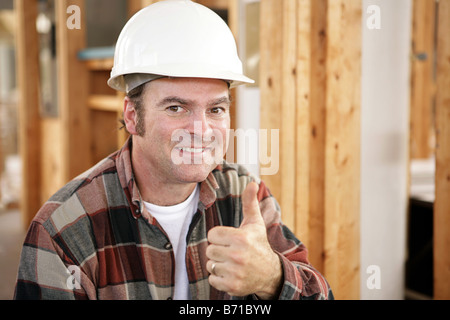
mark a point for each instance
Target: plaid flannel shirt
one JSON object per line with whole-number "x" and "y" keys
{"x": 94, "y": 239}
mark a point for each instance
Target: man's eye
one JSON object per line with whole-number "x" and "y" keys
{"x": 174, "y": 109}
{"x": 217, "y": 110}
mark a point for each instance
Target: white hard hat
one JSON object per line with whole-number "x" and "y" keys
{"x": 175, "y": 38}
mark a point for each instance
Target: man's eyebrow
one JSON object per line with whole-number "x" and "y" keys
{"x": 181, "y": 101}
{"x": 173, "y": 99}
{"x": 222, "y": 100}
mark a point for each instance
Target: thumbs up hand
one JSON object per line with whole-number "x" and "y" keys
{"x": 250, "y": 207}
{"x": 241, "y": 260}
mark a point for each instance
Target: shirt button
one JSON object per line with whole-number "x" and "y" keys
{"x": 168, "y": 246}
{"x": 137, "y": 212}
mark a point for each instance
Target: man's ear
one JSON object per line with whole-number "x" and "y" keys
{"x": 129, "y": 116}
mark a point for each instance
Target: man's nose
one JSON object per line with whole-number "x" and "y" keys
{"x": 200, "y": 126}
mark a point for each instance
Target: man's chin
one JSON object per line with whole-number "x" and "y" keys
{"x": 194, "y": 173}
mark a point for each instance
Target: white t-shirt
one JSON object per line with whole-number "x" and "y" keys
{"x": 175, "y": 220}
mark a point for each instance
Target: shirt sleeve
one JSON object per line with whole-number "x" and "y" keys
{"x": 301, "y": 280}
{"x": 46, "y": 272}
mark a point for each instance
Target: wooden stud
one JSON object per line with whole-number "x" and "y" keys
{"x": 52, "y": 175}
{"x": 342, "y": 148}
{"x": 72, "y": 91}
{"x": 422, "y": 82}
{"x": 311, "y": 115}
{"x": 302, "y": 125}
{"x": 270, "y": 77}
{"x": 317, "y": 129}
{"x": 278, "y": 79}
{"x": 442, "y": 201}
{"x": 29, "y": 118}
{"x": 288, "y": 112}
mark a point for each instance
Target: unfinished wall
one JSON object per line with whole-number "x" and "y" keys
{"x": 310, "y": 91}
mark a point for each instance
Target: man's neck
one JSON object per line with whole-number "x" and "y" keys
{"x": 165, "y": 194}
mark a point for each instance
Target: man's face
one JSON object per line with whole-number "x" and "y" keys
{"x": 186, "y": 122}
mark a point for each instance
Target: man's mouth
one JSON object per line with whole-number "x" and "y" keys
{"x": 194, "y": 155}
{"x": 193, "y": 150}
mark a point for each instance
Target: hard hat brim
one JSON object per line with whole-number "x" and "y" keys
{"x": 117, "y": 80}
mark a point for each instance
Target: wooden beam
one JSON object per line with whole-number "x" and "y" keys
{"x": 442, "y": 201}
{"x": 311, "y": 116}
{"x": 278, "y": 84}
{"x": 342, "y": 148}
{"x": 100, "y": 64}
{"x": 72, "y": 91}
{"x": 288, "y": 111}
{"x": 317, "y": 130}
{"x": 52, "y": 178}
{"x": 302, "y": 127}
{"x": 103, "y": 102}
{"x": 422, "y": 82}
{"x": 271, "y": 77}
{"x": 29, "y": 118}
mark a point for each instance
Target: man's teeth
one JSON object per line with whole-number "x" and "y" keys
{"x": 193, "y": 150}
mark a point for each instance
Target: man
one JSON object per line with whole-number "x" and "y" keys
{"x": 165, "y": 217}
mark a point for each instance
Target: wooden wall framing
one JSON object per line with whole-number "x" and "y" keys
{"x": 310, "y": 75}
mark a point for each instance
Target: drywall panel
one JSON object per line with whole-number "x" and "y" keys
{"x": 384, "y": 146}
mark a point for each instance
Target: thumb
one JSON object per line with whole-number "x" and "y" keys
{"x": 250, "y": 205}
